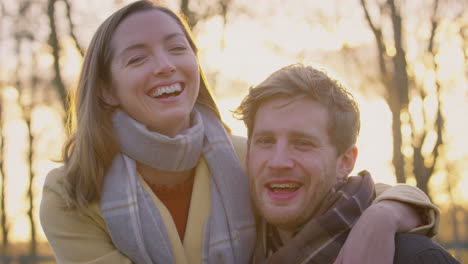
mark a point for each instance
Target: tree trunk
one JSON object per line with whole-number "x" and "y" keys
{"x": 453, "y": 210}
{"x": 3, "y": 216}
{"x": 30, "y": 190}
{"x": 400, "y": 77}
{"x": 398, "y": 160}
{"x": 3, "y": 182}
{"x": 399, "y": 95}
{"x": 392, "y": 97}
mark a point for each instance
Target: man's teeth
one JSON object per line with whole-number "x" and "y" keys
{"x": 167, "y": 90}
{"x": 283, "y": 186}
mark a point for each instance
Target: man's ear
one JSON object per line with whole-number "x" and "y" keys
{"x": 346, "y": 162}
{"x": 108, "y": 96}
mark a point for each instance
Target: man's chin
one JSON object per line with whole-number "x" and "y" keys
{"x": 282, "y": 221}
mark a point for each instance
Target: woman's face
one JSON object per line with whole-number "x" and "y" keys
{"x": 155, "y": 76}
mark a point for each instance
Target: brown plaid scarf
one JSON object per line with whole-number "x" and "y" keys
{"x": 320, "y": 239}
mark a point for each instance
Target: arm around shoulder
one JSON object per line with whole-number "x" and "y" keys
{"x": 400, "y": 208}
{"x": 75, "y": 237}
{"x": 418, "y": 199}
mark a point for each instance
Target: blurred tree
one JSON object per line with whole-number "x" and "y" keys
{"x": 418, "y": 152}
{"x": 55, "y": 45}
{"x": 3, "y": 182}
{"x": 395, "y": 82}
{"x": 3, "y": 178}
{"x": 463, "y": 31}
{"x": 25, "y": 81}
{"x": 204, "y": 10}
{"x": 455, "y": 208}
{"x": 71, "y": 26}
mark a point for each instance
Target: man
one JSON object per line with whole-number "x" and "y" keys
{"x": 302, "y": 129}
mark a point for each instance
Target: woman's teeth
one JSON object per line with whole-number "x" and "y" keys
{"x": 167, "y": 90}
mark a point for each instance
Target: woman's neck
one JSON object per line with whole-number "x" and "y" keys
{"x": 162, "y": 177}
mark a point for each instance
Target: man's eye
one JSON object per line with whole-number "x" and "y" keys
{"x": 303, "y": 143}
{"x": 263, "y": 141}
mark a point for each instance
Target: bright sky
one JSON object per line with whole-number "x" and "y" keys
{"x": 271, "y": 36}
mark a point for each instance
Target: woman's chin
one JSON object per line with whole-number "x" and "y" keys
{"x": 171, "y": 127}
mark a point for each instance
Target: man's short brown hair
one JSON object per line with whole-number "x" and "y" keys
{"x": 299, "y": 81}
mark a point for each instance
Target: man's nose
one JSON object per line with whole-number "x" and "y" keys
{"x": 280, "y": 157}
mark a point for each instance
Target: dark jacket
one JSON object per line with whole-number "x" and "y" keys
{"x": 415, "y": 249}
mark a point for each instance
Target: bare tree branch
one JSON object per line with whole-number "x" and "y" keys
{"x": 225, "y": 6}
{"x": 463, "y": 32}
{"x": 377, "y": 31}
{"x": 424, "y": 165}
{"x": 72, "y": 28}
{"x": 434, "y": 25}
{"x": 54, "y": 44}
{"x": 439, "y": 123}
{"x": 190, "y": 16}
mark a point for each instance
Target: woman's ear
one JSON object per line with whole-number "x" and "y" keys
{"x": 346, "y": 162}
{"x": 108, "y": 96}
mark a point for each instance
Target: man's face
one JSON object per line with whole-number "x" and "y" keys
{"x": 291, "y": 162}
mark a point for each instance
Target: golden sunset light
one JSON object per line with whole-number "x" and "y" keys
{"x": 240, "y": 49}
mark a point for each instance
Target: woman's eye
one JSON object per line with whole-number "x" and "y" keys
{"x": 178, "y": 48}
{"x": 136, "y": 60}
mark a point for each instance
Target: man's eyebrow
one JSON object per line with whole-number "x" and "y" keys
{"x": 301, "y": 134}
{"x": 261, "y": 132}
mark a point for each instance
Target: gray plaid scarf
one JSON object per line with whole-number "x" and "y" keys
{"x": 320, "y": 239}
{"x": 133, "y": 220}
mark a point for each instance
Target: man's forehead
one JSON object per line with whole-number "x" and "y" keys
{"x": 286, "y": 99}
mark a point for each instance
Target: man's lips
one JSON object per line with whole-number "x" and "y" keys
{"x": 282, "y": 190}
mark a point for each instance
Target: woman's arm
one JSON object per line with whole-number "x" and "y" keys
{"x": 75, "y": 237}
{"x": 429, "y": 214}
{"x": 401, "y": 208}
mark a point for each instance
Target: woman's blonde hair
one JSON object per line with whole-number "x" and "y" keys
{"x": 92, "y": 146}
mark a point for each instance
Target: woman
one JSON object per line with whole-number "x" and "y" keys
{"x": 150, "y": 174}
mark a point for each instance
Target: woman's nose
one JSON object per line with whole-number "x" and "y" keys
{"x": 164, "y": 65}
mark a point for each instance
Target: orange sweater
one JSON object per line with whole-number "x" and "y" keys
{"x": 177, "y": 200}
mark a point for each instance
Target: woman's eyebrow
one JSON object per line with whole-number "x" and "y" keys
{"x": 133, "y": 47}
{"x": 174, "y": 35}
{"x": 142, "y": 45}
